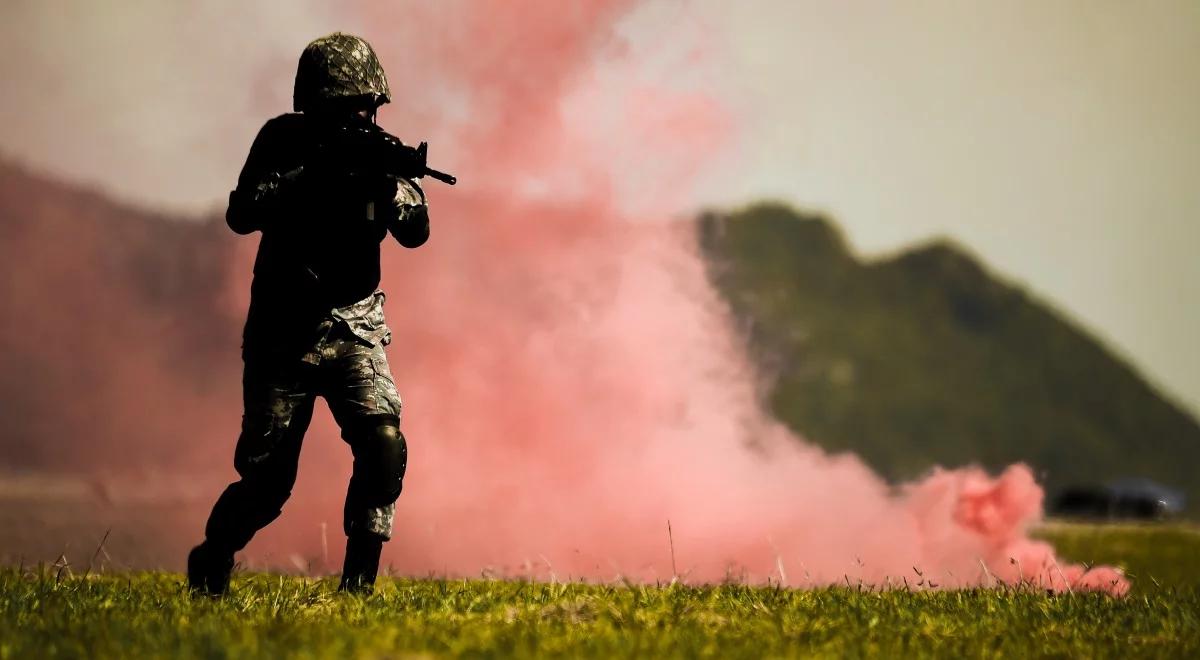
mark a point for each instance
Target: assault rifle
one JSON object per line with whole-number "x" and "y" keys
{"x": 373, "y": 150}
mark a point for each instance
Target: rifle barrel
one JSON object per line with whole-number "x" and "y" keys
{"x": 441, "y": 176}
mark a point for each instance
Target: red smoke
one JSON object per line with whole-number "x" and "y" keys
{"x": 570, "y": 378}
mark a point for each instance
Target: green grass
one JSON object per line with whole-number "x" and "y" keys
{"x": 44, "y": 614}
{"x": 1153, "y": 556}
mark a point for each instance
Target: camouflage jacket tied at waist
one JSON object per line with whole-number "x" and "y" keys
{"x": 365, "y": 319}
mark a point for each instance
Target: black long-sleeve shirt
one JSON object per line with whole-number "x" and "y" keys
{"x": 321, "y": 234}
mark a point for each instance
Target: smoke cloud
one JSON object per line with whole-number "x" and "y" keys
{"x": 572, "y": 383}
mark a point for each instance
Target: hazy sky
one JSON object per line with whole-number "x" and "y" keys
{"x": 1058, "y": 140}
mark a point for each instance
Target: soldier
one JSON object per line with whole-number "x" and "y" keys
{"x": 315, "y": 325}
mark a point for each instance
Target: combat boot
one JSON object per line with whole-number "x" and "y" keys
{"x": 362, "y": 564}
{"x": 208, "y": 570}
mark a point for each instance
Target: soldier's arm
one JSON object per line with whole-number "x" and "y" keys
{"x": 261, "y": 186}
{"x": 408, "y": 219}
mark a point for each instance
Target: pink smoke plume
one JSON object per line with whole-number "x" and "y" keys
{"x": 572, "y": 383}
{"x": 571, "y": 380}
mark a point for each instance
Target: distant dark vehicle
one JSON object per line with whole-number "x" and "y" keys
{"x": 1124, "y": 499}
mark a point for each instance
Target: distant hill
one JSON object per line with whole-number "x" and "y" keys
{"x": 118, "y": 338}
{"x": 114, "y": 328}
{"x": 928, "y": 358}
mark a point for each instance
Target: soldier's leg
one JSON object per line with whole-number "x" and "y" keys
{"x": 278, "y": 409}
{"x": 365, "y": 403}
{"x": 380, "y": 459}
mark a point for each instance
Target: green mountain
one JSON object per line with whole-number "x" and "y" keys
{"x": 927, "y": 358}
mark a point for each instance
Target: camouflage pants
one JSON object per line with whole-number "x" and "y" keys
{"x": 353, "y": 377}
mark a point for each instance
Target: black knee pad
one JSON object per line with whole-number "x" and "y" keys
{"x": 381, "y": 459}
{"x": 390, "y": 449}
{"x": 394, "y": 448}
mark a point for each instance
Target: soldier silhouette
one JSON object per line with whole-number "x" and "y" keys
{"x": 315, "y": 326}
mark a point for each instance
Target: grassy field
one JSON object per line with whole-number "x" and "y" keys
{"x": 47, "y": 614}
{"x": 1153, "y": 556}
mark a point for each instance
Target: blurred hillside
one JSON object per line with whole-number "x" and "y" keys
{"x": 119, "y": 338}
{"x": 926, "y": 357}
{"x": 115, "y": 328}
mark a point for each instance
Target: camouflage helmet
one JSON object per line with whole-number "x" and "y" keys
{"x": 338, "y": 66}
